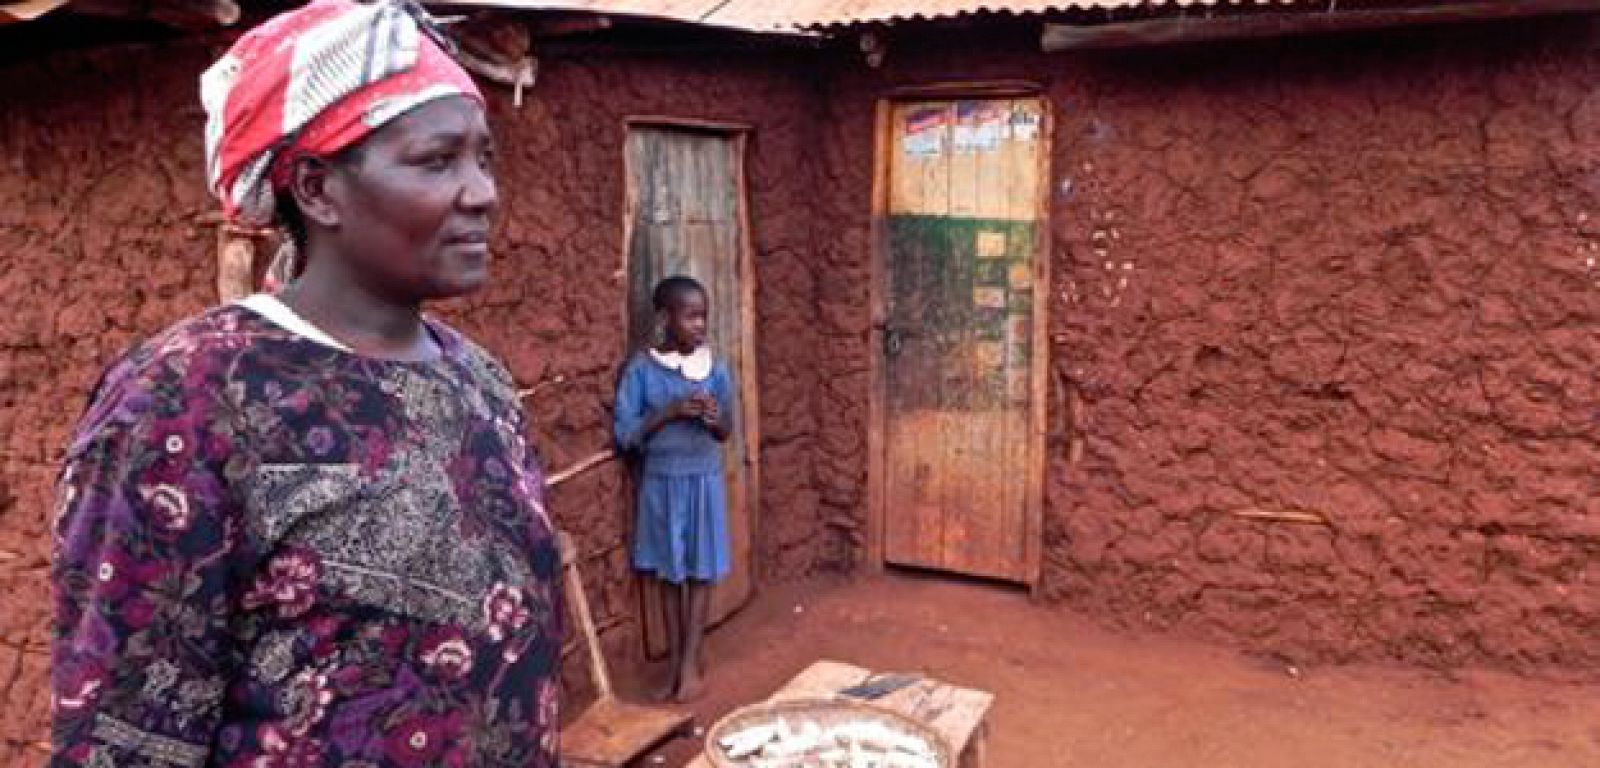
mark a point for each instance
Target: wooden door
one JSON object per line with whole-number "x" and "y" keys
{"x": 961, "y": 397}
{"x": 686, "y": 215}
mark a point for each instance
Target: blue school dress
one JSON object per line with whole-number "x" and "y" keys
{"x": 681, "y": 531}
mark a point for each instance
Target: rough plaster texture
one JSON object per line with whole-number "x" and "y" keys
{"x": 1362, "y": 287}
{"x": 1352, "y": 279}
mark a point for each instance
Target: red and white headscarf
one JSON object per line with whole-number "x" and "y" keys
{"x": 311, "y": 82}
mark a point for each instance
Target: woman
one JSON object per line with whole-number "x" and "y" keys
{"x": 305, "y": 529}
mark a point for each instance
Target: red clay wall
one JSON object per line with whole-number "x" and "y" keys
{"x": 101, "y": 179}
{"x": 1361, "y": 289}
{"x": 1365, "y": 285}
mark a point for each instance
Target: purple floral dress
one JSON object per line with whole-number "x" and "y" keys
{"x": 271, "y": 552}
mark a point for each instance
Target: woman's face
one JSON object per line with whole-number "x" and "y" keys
{"x": 416, "y": 202}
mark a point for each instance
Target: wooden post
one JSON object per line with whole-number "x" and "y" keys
{"x": 877, "y": 364}
{"x": 750, "y": 388}
{"x": 1039, "y": 386}
{"x": 235, "y": 265}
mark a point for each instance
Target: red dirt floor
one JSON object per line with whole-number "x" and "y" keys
{"x": 1070, "y": 693}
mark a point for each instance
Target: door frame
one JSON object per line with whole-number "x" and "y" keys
{"x": 749, "y": 374}
{"x": 877, "y": 406}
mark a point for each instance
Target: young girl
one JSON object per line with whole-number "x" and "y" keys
{"x": 675, "y": 406}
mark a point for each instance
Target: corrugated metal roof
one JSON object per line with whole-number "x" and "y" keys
{"x": 796, "y": 15}
{"x": 806, "y": 14}
{"x": 791, "y": 15}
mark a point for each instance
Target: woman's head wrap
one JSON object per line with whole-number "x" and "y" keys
{"x": 312, "y": 82}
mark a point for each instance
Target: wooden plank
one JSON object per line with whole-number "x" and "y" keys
{"x": 911, "y": 503}
{"x": 964, "y": 162}
{"x": 921, "y": 176}
{"x": 636, "y": 165}
{"x": 961, "y": 505}
{"x": 954, "y": 712}
{"x": 1038, "y": 459}
{"x": 1024, "y": 180}
{"x": 749, "y": 373}
{"x": 877, "y": 364}
{"x": 612, "y": 732}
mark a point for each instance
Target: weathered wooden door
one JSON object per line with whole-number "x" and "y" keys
{"x": 962, "y": 382}
{"x": 686, "y": 216}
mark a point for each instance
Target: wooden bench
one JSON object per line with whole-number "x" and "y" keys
{"x": 958, "y": 714}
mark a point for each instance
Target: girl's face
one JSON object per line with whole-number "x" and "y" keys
{"x": 685, "y": 321}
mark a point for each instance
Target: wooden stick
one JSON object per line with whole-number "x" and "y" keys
{"x": 546, "y": 384}
{"x": 1277, "y": 516}
{"x": 580, "y": 605}
{"x": 581, "y": 467}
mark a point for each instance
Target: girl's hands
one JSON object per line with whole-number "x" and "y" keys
{"x": 711, "y": 412}
{"x": 692, "y": 407}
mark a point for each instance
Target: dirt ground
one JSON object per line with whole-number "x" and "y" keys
{"x": 1072, "y": 694}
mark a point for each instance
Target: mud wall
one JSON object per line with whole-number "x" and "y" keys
{"x": 1362, "y": 288}
{"x": 101, "y": 186}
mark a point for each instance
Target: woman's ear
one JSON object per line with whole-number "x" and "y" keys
{"x": 312, "y": 184}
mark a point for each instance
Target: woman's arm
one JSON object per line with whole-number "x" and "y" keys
{"x": 144, "y": 542}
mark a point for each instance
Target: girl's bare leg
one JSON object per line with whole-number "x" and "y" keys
{"x": 696, "y": 614}
{"x": 672, "y": 605}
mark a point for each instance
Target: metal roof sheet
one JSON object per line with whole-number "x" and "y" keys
{"x": 797, "y": 15}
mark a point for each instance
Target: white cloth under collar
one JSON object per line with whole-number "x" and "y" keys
{"x": 273, "y": 309}
{"x": 695, "y": 366}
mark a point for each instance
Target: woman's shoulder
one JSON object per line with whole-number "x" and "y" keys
{"x": 177, "y": 370}
{"x": 191, "y": 345}
{"x": 484, "y": 367}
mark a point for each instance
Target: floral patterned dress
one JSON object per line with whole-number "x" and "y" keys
{"x": 271, "y": 552}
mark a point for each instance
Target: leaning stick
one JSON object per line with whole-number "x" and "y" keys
{"x": 1274, "y": 516}
{"x": 580, "y": 468}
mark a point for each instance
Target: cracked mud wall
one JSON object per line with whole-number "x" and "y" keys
{"x": 1350, "y": 279}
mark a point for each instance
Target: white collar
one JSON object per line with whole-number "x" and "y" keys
{"x": 273, "y": 309}
{"x": 695, "y": 366}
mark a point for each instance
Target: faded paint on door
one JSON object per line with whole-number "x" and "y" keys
{"x": 685, "y": 218}
{"x": 962, "y": 232}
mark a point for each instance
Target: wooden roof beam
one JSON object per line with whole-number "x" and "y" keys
{"x": 183, "y": 14}
{"x": 1205, "y": 29}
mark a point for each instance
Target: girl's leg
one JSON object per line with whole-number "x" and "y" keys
{"x": 696, "y": 613}
{"x": 672, "y": 605}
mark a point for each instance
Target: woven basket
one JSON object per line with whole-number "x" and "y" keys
{"x": 823, "y": 712}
